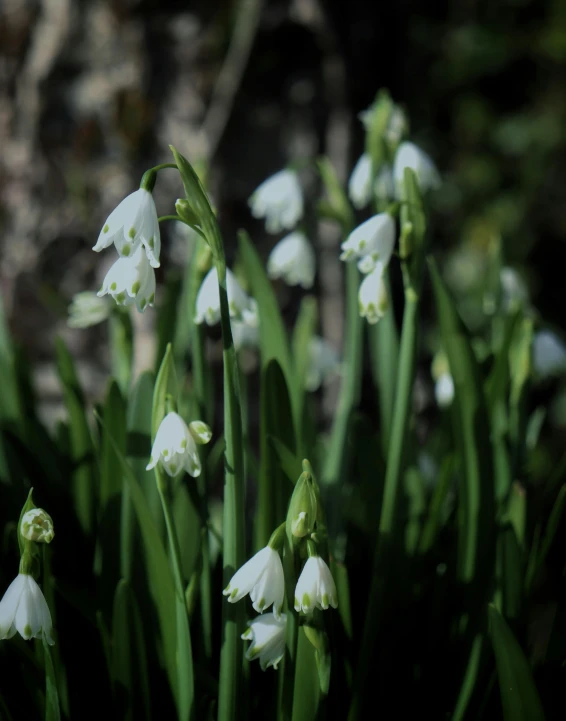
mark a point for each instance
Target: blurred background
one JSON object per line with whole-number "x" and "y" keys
{"x": 92, "y": 92}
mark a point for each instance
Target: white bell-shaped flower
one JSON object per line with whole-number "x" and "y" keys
{"x": 444, "y": 390}
{"x": 175, "y": 445}
{"x": 267, "y": 636}
{"x": 323, "y": 362}
{"x": 372, "y": 296}
{"x": 24, "y": 609}
{"x": 279, "y": 200}
{"x": 133, "y": 223}
{"x": 359, "y": 185}
{"x": 262, "y": 578}
{"x": 241, "y": 306}
{"x": 131, "y": 279}
{"x": 244, "y": 335}
{"x": 293, "y": 260}
{"x": 549, "y": 354}
{"x": 409, "y": 155}
{"x": 87, "y": 309}
{"x": 370, "y": 242}
{"x": 315, "y": 587}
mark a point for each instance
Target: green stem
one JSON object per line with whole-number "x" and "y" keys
{"x": 186, "y": 685}
{"x": 233, "y": 531}
{"x": 385, "y": 549}
{"x": 336, "y": 460}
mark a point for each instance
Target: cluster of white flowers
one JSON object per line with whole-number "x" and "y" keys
{"x": 279, "y": 200}
{"x": 262, "y": 578}
{"x": 242, "y": 308}
{"x": 133, "y": 228}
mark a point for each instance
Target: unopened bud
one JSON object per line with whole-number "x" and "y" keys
{"x": 37, "y": 525}
{"x": 302, "y": 513}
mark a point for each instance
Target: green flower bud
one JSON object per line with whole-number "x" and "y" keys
{"x": 301, "y": 517}
{"x": 37, "y": 525}
{"x": 186, "y": 212}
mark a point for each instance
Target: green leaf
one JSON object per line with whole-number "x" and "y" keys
{"x": 519, "y": 695}
{"x": 289, "y": 461}
{"x": 84, "y": 477}
{"x": 130, "y": 678}
{"x": 121, "y": 343}
{"x": 160, "y": 580}
{"x": 336, "y": 206}
{"x": 165, "y": 384}
{"x": 52, "y": 712}
{"x": 115, "y": 424}
{"x": 273, "y": 488}
{"x": 472, "y": 431}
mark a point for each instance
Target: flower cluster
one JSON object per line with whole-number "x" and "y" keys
{"x": 133, "y": 228}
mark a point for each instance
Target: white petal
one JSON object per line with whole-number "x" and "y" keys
{"x": 444, "y": 390}
{"x": 375, "y": 236}
{"x": 359, "y": 186}
{"x": 293, "y": 260}
{"x": 409, "y": 155}
{"x": 248, "y": 575}
{"x": 9, "y": 606}
{"x": 208, "y": 300}
{"x": 307, "y": 586}
{"x": 122, "y": 215}
{"x": 372, "y": 296}
{"x": 270, "y": 587}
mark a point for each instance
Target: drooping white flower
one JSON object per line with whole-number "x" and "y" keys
{"x": 241, "y": 306}
{"x": 323, "y": 362}
{"x": 87, "y": 309}
{"x": 370, "y": 242}
{"x": 24, "y": 609}
{"x": 131, "y": 279}
{"x": 315, "y": 587}
{"x": 37, "y": 525}
{"x": 244, "y": 335}
{"x": 293, "y": 260}
{"x": 267, "y": 636}
{"x": 175, "y": 445}
{"x": 409, "y": 155}
{"x": 372, "y": 296}
{"x": 262, "y": 578}
{"x": 359, "y": 185}
{"x": 133, "y": 223}
{"x": 279, "y": 200}
{"x": 513, "y": 289}
{"x": 444, "y": 390}
{"x": 549, "y": 354}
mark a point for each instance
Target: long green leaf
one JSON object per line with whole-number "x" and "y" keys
{"x": 52, "y": 712}
{"x": 519, "y": 695}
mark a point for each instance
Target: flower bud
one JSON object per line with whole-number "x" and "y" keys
{"x": 37, "y": 525}
{"x": 301, "y": 517}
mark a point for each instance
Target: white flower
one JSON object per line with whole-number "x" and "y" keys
{"x": 359, "y": 186}
{"x": 514, "y": 290}
{"x": 315, "y": 587}
{"x": 175, "y": 445}
{"x": 241, "y": 306}
{"x": 372, "y": 297}
{"x": 397, "y": 125}
{"x": 408, "y": 155}
{"x": 87, "y": 309}
{"x": 37, "y": 525}
{"x": 293, "y": 260}
{"x": 549, "y": 354}
{"x": 323, "y": 361}
{"x": 279, "y": 200}
{"x": 24, "y": 609}
{"x": 444, "y": 390}
{"x": 371, "y": 241}
{"x": 267, "y": 636}
{"x": 131, "y": 279}
{"x": 133, "y": 223}
{"x": 244, "y": 335}
{"x": 384, "y": 187}
{"x": 262, "y": 578}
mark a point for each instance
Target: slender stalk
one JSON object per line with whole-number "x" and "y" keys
{"x": 185, "y": 685}
{"x": 385, "y": 550}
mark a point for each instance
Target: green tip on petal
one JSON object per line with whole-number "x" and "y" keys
{"x": 132, "y": 233}
{"x": 151, "y": 298}
{"x": 234, "y": 594}
{"x": 184, "y": 443}
{"x": 151, "y": 243}
{"x": 121, "y": 297}
{"x": 106, "y": 228}
{"x": 261, "y": 604}
{"x": 113, "y": 286}
{"x": 27, "y": 631}
{"x": 165, "y": 453}
{"x": 126, "y": 249}
{"x": 306, "y": 600}
{"x": 135, "y": 287}
{"x": 325, "y": 603}
{"x": 173, "y": 468}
